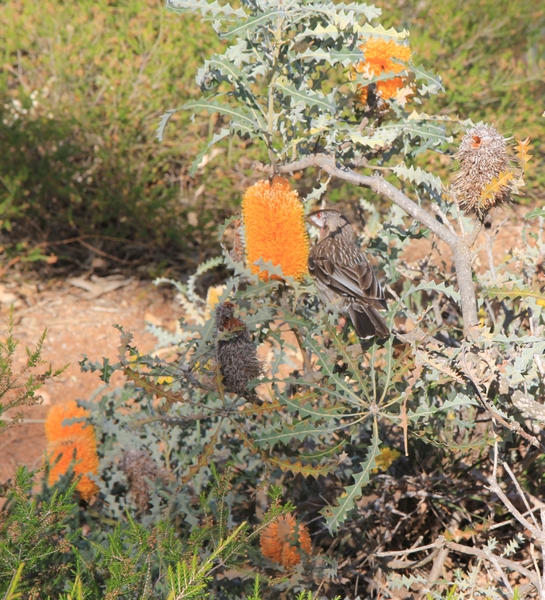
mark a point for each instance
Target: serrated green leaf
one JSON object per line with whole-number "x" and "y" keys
{"x": 215, "y": 139}
{"x": 346, "y": 391}
{"x": 307, "y": 96}
{"x": 380, "y": 31}
{"x": 337, "y": 515}
{"x": 251, "y": 24}
{"x": 240, "y": 117}
{"x": 434, "y": 287}
{"x": 537, "y": 212}
{"x": 370, "y": 12}
{"x": 298, "y": 431}
{"x": 205, "y": 8}
{"x": 418, "y": 176}
{"x": 163, "y": 122}
{"x": 435, "y": 84}
{"x": 514, "y": 292}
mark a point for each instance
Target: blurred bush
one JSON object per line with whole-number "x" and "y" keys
{"x": 81, "y": 89}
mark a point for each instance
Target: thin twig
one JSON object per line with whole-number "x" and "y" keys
{"x": 513, "y": 426}
{"x": 441, "y": 543}
{"x": 435, "y": 208}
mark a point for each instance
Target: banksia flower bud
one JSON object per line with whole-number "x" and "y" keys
{"x": 274, "y": 228}
{"x": 235, "y": 351}
{"x": 378, "y": 55}
{"x": 282, "y": 541}
{"x": 139, "y": 466}
{"x": 72, "y": 441}
{"x": 484, "y": 178}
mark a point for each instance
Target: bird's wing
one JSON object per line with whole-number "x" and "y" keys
{"x": 343, "y": 268}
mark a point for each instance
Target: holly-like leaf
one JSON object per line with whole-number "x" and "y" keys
{"x": 251, "y": 24}
{"x": 495, "y": 186}
{"x": 207, "y": 9}
{"x": 418, "y": 176}
{"x": 215, "y": 139}
{"x": 522, "y": 152}
{"x": 299, "y": 467}
{"x": 337, "y": 515}
{"x": 514, "y": 292}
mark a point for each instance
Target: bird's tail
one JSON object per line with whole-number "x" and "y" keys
{"x": 368, "y": 322}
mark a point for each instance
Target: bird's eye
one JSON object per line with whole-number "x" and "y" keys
{"x": 319, "y": 215}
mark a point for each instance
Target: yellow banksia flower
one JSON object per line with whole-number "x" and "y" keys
{"x": 381, "y": 56}
{"x": 282, "y": 540}
{"x": 274, "y": 228}
{"x": 386, "y": 458}
{"x": 75, "y": 441}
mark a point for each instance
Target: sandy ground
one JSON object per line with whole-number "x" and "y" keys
{"x": 79, "y": 321}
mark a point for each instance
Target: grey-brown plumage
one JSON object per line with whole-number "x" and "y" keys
{"x": 342, "y": 274}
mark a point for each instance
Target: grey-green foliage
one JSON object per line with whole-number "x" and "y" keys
{"x": 287, "y": 77}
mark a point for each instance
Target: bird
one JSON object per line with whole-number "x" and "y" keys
{"x": 342, "y": 274}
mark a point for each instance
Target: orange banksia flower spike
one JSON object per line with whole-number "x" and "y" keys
{"x": 381, "y": 56}
{"x": 274, "y": 228}
{"x": 68, "y": 442}
{"x": 86, "y": 462}
{"x": 283, "y": 539}
{"x": 54, "y": 428}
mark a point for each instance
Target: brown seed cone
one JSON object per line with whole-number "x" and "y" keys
{"x": 139, "y": 465}
{"x": 483, "y": 157}
{"x": 283, "y": 539}
{"x": 235, "y": 351}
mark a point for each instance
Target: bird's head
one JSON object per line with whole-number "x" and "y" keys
{"x": 331, "y": 222}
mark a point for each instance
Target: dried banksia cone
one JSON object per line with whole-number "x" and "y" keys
{"x": 282, "y": 541}
{"x": 274, "y": 228}
{"x": 235, "y": 351}
{"x": 484, "y": 178}
{"x": 139, "y": 466}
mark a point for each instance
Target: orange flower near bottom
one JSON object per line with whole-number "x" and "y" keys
{"x": 65, "y": 439}
{"x": 85, "y": 462}
{"x": 282, "y": 540}
{"x": 54, "y": 428}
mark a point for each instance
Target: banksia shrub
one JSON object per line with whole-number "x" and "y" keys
{"x": 283, "y": 539}
{"x": 140, "y": 467}
{"x": 274, "y": 228}
{"x": 235, "y": 351}
{"x": 381, "y": 56}
{"x": 67, "y": 443}
{"x": 484, "y": 178}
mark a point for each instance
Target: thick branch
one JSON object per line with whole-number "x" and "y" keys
{"x": 460, "y": 250}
